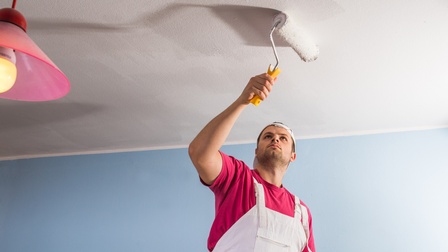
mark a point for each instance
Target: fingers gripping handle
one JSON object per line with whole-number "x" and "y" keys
{"x": 273, "y": 73}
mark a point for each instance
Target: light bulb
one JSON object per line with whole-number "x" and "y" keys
{"x": 8, "y": 70}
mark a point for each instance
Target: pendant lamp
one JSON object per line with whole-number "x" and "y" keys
{"x": 37, "y": 78}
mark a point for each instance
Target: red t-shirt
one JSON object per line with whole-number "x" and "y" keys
{"x": 234, "y": 191}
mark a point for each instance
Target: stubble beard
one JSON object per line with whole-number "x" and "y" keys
{"x": 272, "y": 159}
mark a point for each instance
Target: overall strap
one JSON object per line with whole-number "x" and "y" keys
{"x": 259, "y": 193}
{"x": 261, "y": 204}
{"x": 303, "y": 213}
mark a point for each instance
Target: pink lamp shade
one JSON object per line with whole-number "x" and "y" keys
{"x": 38, "y": 78}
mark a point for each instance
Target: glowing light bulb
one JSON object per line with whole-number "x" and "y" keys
{"x": 8, "y": 70}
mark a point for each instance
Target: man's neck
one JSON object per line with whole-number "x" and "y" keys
{"x": 272, "y": 176}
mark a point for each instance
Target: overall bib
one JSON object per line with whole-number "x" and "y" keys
{"x": 265, "y": 230}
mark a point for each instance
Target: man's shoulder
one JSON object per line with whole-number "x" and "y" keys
{"x": 234, "y": 172}
{"x": 233, "y": 163}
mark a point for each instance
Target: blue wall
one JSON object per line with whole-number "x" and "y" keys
{"x": 367, "y": 193}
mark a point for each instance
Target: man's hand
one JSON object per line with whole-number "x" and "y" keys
{"x": 260, "y": 85}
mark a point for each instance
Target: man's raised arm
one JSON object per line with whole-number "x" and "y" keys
{"x": 204, "y": 149}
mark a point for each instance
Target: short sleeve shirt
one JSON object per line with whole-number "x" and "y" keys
{"x": 234, "y": 191}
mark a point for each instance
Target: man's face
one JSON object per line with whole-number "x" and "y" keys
{"x": 275, "y": 146}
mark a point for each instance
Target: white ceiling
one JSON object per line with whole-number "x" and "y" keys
{"x": 149, "y": 74}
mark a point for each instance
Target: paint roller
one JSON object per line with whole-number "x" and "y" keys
{"x": 296, "y": 37}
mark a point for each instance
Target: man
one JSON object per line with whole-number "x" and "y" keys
{"x": 254, "y": 212}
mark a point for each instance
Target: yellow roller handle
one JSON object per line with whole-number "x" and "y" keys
{"x": 256, "y": 100}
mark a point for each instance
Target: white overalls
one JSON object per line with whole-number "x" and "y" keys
{"x": 265, "y": 230}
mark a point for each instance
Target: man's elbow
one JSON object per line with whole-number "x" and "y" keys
{"x": 196, "y": 154}
{"x": 208, "y": 165}
{"x": 192, "y": 150}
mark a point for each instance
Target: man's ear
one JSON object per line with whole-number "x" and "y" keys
{"x": 293, "y": 157}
